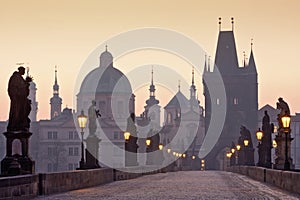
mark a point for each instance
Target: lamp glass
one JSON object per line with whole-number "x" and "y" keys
{"x": 246, "y": 142}
{"x": 238, "y": 147}
{"x": 160, "y": 146}
{"x": 126, "y": 135}
{"x": 193, "y": 157}
{"x": 232, "y": 150}
{"x": 82, "y": 120}
{"x": 286, "y": 120}
{"x": 169, "y": 150}
{"x": 148, "y": 142}
{"x": 259, "y": 135}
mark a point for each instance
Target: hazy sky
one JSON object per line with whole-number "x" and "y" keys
{"x": 63, "y": 33}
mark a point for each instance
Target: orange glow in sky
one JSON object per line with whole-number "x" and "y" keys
{"x": 63, "y": 33}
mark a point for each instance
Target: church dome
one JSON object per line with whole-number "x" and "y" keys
{"x": 105, "y": 79}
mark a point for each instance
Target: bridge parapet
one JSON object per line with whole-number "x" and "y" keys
{"x": 287, "y": 180}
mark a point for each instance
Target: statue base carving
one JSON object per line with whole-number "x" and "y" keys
{"x": 17, "y": 164}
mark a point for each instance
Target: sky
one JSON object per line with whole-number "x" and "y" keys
{"x": 43, "y": 34}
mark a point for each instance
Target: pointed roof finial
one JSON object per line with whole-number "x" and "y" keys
{"x": 152, "y": 76}
{"x": 55, "y": 80}
{"x": 193, "y": 76}
{"x": 106, "y": 48}
{"x": 178, "y": 85}
{"x": 232, "y": 23}
{"x": 251, "y": 43}
{"x": 220, "y": 23}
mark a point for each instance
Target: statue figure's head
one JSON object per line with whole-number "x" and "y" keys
{"x": 280, "y": 99}
{"x": 21, "y": 70}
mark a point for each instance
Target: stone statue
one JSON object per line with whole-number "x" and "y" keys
{"x": 18, "y": 90}
{"x": 266, "y": 121}
{"x": 93, "y": 114}
{"x": 131, "y": 127}
{"x": 283, "y": 106}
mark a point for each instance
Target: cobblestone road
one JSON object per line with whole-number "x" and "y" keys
{"x": 180, "y": 185}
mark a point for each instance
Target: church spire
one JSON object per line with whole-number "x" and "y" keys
{"x": 152, "y": 86}
{"x": 55, "y": 86}
{"x": 55, "y": 101}
{"x": 220, "y": 23}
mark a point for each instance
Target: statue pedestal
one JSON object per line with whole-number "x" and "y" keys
{"x": 280, "y": 151}
{"x": 91, "y": 152}
{"x": 17, "y": 164}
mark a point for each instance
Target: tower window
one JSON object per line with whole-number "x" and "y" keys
{"x": 218, "y": 101}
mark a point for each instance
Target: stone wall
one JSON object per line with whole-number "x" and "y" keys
{"x": 19, "y": 187}
{"x": 287, "y": 180}
{"x": 72, "y": 180}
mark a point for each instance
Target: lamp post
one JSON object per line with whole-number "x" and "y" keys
{"x": 259, "y": 136}
{"x": 82, "y": 120}
{"x": 286, "y": 120}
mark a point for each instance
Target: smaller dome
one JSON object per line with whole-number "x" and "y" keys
{"x": 106, "y": 59}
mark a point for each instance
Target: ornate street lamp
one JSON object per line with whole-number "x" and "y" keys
{"x": 238, "y": 147}
{"x": 193, "y": 157}
{"x": 169, "y": 150}
{"x": 184, "y": 155}
{"x": 286, "y": 121}
{"x": 259, "y": 136}
{"x": 82, "y": 120}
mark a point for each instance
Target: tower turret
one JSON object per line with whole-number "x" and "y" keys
{"x": 55, "y": 101}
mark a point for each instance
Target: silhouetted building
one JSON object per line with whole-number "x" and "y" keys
{"x": 241, "y": 95}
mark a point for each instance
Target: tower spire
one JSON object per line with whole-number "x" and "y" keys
{"x": 55, "y": 101}
{"x": 244, "y": 54}
{"x": 193, "y": 76}
{"x": 55, "y": 86}
{"x": 106, "y": 48}
{"x": 251, "y": 43}
{"x": 220, "y": 23}
{"x": 152, "y": 76}
{"x": 178, "y": 85}
{"x": 232, "y": 23}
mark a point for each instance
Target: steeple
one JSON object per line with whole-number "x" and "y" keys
{"x": 252, "y": 64}
{"x": 151, "y": 101}
{"x": 152, "y": 87}
{"x": 193, "y": 99}
{"x": 55, "y": 86}
{"x": 55, "y": 101}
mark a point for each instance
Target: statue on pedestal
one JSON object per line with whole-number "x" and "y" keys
{"x": 18, "y": 91}
{"x": 18, "y": 126}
